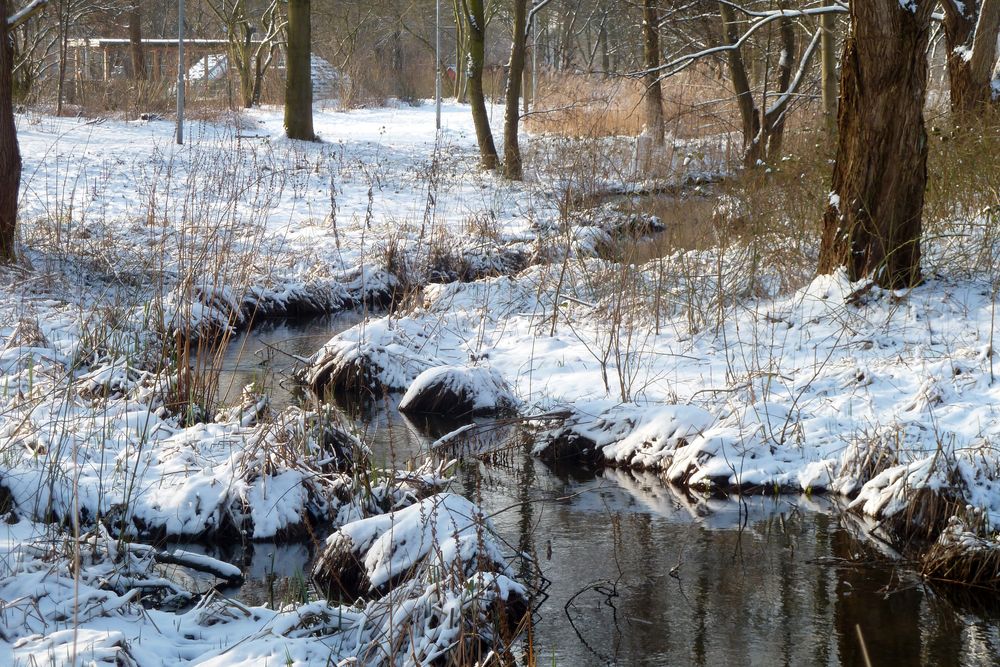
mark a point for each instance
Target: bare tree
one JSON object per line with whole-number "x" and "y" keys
{"x": 763, "y": 126}
{"x": 651, "y": 60}
{"x": 512, "y": 167}
{"x": 475, "y": 25}
{"x": 135, "y": 41}
{"x": 872, "y": 224}
{"x": 250, "y": 61}
{"x": 10, "y": 152}
{"x": 298, "y": 74}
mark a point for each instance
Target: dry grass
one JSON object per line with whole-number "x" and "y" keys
{"x": 696, "y": 104}
{"x": 965, "y": 553}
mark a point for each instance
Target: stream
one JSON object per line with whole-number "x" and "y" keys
{"x": 640, "y": 572}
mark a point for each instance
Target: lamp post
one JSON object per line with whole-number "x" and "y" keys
{"x": 180, "y": 71}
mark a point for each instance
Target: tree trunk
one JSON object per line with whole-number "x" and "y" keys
{"x": 461, "y": 53}
{"x": 651, "y": 61}
{"x": 476, "y": 26}
{"x": 298, "y": 73}
{"x": 10, "y": 153}
{"x": 971, "y": 38}
{"x": 258, "y": 78}
{"x": 245, "y": 63}
{"x": 741, "y": 86}
{"x": 135, "y": 42}
{"x": 602, "y": 39}
{"x": 774, "y": 119}
{"x": 512, "y": 167}
{"x": 873, "y": 221}
{"x": 959, "y": 27}
{"x": 828, "y": 44}
{"x": 63, "y": 50}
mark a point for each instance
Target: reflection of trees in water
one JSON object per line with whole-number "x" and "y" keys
{"x": 886, "y": 609}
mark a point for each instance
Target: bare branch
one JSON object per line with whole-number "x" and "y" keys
{"x": 763, "y": 18}
{"x": 779, "y": 105}
{"x": 20, "y": 17}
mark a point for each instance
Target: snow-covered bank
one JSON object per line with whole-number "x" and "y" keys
{"x": 704, "y": 367}
{"x": 132, "y": 247}
{"x": 120, "y": 607}
{"x": 837, "y": 387}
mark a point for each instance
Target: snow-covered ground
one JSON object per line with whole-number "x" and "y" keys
{"x": 702, "y": 366}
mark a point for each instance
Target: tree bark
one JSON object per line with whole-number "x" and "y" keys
{"x": 970, "y": 37}
{"x": 512, "y": 167}
{"x": 828, "y": 43}
{"x": 10, "y": 153}
{"x": 651, "y": 60}
{"x": 135, "y": 42}
{"x": 461, "y": 52}
{"x": 298, "y": 73}
{"x": 244, "y": 62}
{"x": 475, "y": 16}
{"x": 872, "y": 224}
{"x": 741, "y": 86}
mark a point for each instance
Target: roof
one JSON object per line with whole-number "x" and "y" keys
{"x": 99, "y": 42}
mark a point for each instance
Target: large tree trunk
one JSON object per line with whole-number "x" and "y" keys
{"x": 298, "y": 75}
{"x": 741, "y": 86}
{"x": 10, "y": 153}
{"x": 651, "y": 60}
{"x": 971, "y": 38}
{"x": 476, "y": 25}
{"x": 135, "y": 42}
{"x": 873, "y": 221}
{"x": 512, "y": 167}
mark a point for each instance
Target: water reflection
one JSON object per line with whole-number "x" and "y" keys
{"x": 267, "y": 353}
{"x": 639, "y": 572}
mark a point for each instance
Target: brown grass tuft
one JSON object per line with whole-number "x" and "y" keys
{"x": 696, "y": 104}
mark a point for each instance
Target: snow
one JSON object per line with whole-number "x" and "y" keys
{"x": 393, "y": 544}
{"x": 744, "y": 374}
{"x": 483, "y": 388}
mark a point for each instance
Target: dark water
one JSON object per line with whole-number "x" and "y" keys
{"x": 639, "y": 572}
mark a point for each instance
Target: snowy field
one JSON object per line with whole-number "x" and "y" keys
{"x": 716, "y": 369}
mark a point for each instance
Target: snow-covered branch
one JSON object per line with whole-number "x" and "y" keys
{"x": 20, "y": 17}
{"x": 779, "y": 105}
{"x": 762, "y": 19}
{"x": 537, "y": 7}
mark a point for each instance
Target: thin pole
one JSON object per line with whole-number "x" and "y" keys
{"x": 180, "y": 71}
{"x": 437, "y": 59}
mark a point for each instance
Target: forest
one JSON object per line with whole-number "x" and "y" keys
{"x": 499, "y": 332}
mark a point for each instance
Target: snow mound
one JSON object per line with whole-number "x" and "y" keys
{"x": 459, "y": 391}
{"x": 641, "y": 437}
{"x": 444, "y": 532}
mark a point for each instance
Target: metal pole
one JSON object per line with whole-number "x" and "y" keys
{"x": 437, "y": 59}
{"x": 180, "y": 71}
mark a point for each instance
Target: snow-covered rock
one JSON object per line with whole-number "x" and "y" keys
{"x": 459, "y": 391}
